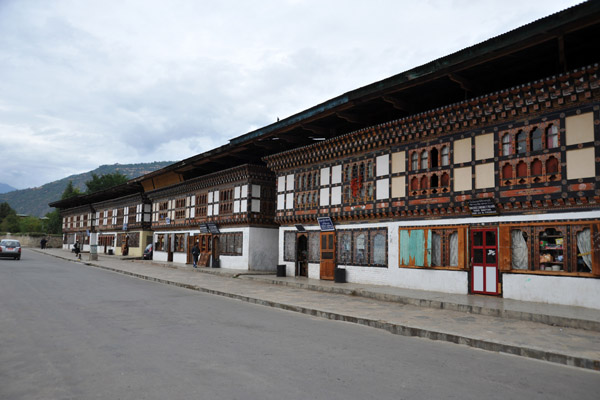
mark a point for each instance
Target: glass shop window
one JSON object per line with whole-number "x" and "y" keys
{"x": 519, "y": 249}
{"x": 360, "y": 246}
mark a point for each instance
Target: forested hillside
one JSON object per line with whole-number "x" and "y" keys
{"x": 35, "y": 201}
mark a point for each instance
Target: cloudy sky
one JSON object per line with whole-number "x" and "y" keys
{"x": 91, "y": 82}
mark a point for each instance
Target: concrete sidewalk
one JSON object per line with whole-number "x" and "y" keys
{"x": 560, "y": 334}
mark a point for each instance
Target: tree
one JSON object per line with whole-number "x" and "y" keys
{"x": 53, "y": 225}
{"x": 5, "y": 211}
{"x": 70, "y": 191}
{"x": 103, "y": 182}
{"x": 30, "y": 224}
{"x": 10, "y": 224}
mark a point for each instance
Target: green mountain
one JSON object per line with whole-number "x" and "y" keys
{"x": 35, "y": 201}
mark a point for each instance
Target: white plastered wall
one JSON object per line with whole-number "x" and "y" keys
{"x": 563, "y": 290}
{"x": 263, "y": 249}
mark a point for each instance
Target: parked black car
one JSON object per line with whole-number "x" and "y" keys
{"x": 147, "y": 253}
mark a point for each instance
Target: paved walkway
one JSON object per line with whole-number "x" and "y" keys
{"x": 560, "y": 334}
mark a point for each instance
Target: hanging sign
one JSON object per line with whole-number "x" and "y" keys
{"x": 204, "y": 228}
{"x": 481, "y": 207}
{"x": 326, "y": 224}
{"x": 213, "y": 228}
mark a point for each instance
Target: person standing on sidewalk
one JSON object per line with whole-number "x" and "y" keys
{"x": 195, "y": 254}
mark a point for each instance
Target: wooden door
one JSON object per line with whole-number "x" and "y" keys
{"x": 169, "y": 244}
{"x": 327, "y": 255}
{"x": 484, "y": 261}
{"x": 190, "y": 243}
{"x": 205, "y": 249}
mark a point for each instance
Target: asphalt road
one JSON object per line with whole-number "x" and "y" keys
{"x": 68, "y": 331}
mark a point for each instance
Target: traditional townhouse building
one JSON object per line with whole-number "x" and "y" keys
{"x": 229, "y": 213}
{"x": 474, "y": 173}
{"x": 123, "y": 225}
{"x": 116, "y": 220}
{"x": 497, "y": 194}
{"x": 76, "y": 225}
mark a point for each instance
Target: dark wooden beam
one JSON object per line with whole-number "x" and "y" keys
{"x": 397, "y": 103}
{"x": 562, "y": 59}
{"x": 317, "y": 130}
{"x": 352, "y": 118}
{"x": 465, "y": 84}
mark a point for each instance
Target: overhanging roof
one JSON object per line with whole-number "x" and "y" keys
{"x": 123, "y": 190}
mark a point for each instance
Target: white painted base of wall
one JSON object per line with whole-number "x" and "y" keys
{"x": 180, "y": 258}
{"x": 456, "y": 282}
{"x": 160, "y": 256}
{"x": 582, "y": 292}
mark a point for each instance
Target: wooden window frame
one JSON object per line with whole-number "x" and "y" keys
{"x": 228, "y": 244}
{"x": 570, "y": 251}
{"x": 445, "y": 233}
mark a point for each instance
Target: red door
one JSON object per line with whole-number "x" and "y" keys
{"x": 484, "y": 261}
{"x": 327, "y": 255}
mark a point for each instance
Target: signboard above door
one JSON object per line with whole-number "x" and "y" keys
{"x": 213, "y": 228}
{"x": 481, "y": 207}
{"x": 326, "y": 224}
{"x": 204, "y": 228}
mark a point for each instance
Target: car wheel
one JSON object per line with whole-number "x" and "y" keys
{"x": 17, "y": 258}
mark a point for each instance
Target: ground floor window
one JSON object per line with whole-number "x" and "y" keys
{"x": 363, "y": 247}
{"x": 231, "y": 244}
{"x": 435, "y": 247}
{"x": 559, "y": 248}
{"x": 179, "y": 242}
{"x": 106, "y": 240}
{"x": 160, "y": 243}
{"x": 289, "y": 246}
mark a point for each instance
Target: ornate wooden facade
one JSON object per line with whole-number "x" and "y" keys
{"x": 122, "y": 225}
{"x": 529, "y": 153}
{"x": 239, "y": 196}
{"x": 472, "y": 132}
{"x": 238, "y": 202}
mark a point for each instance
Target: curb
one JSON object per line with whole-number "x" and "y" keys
{"x": 552, "y": 320}
{"x": 397, "y": 329}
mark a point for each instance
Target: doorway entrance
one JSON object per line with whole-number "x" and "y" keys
{"x": 169, "y": 244}
{"x": 302, "y": 255}
{"x": 190, "y": 244}
{"x": 484, "y": 261}
{"x": 215, "y": 252}
{"x": 327, "y": 255}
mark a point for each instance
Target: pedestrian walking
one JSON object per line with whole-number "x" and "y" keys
{"x": 43, "y": 243}
{"x": 195, "y": 254}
